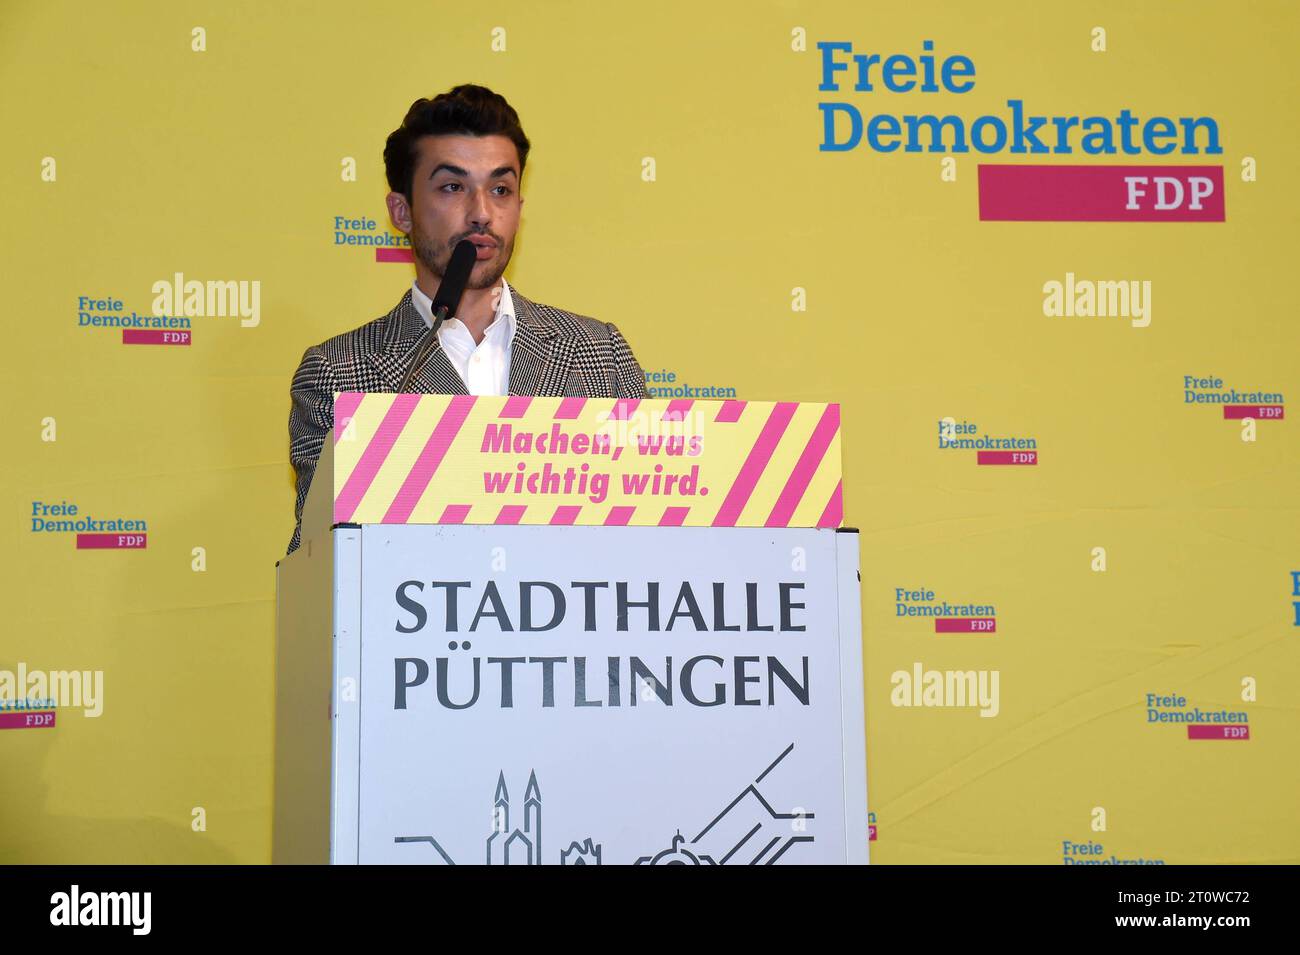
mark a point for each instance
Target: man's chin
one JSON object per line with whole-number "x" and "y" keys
{"x": 486, "y": 274}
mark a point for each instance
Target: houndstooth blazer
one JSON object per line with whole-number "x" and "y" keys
{"x": 554, "y": 352}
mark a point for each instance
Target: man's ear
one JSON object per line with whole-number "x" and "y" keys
{"x": 399, "y": 212}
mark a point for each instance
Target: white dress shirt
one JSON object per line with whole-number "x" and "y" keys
{"x": 485, "y": 367}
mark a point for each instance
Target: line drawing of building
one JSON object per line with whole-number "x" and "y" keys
{"x": 431, "y": 841}
{"x": 506, "y": 846}
{"x": 581, "y": 853}
{"x": 728, "y": 839}
{"x": 675, "y": 855}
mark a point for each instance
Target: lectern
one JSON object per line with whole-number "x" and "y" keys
{"x": 572, "y": 631}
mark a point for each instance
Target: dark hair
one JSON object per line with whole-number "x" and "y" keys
{"x": 465, "y": 110}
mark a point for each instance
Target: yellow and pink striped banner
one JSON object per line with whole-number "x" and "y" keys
{"x": 456, "y": 459}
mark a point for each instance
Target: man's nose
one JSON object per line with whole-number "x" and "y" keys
{"x": 479, "y": 213}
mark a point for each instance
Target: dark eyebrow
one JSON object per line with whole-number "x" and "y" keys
{"x": 458, "y": 171}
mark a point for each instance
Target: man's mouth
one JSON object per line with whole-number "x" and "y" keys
{"x": 484, "y": 246}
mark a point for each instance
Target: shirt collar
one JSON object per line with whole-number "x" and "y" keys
{"x": 504, "y": 318}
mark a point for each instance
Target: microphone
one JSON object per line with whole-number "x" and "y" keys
{"x": 445, "y": 302}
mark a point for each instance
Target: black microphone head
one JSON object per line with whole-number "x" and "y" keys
{"x": 456, "y": 277}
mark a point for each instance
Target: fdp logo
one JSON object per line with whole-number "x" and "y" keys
{"x": 966, "y": 436}
{"x": 1244, "y": 406}
{"x": 366, "y": 232}
{"x": 92, "y": 532}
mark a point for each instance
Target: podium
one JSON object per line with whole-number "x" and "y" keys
{"x": 571, "y": 631}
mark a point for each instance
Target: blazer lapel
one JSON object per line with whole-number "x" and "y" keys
{"x": 536, "y": 351}
{"x": 404, "y": 330}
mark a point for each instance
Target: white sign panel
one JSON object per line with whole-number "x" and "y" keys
{"x": 601, "y": 696}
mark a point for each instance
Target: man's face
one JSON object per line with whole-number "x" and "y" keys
{"x": 465, "y": 187}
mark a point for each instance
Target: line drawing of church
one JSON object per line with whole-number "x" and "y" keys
{"x": 506, "y": 846}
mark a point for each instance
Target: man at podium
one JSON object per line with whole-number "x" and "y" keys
{"x": 454, "y": 169}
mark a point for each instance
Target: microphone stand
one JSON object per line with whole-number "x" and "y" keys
{"x": 426, "y": 346}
